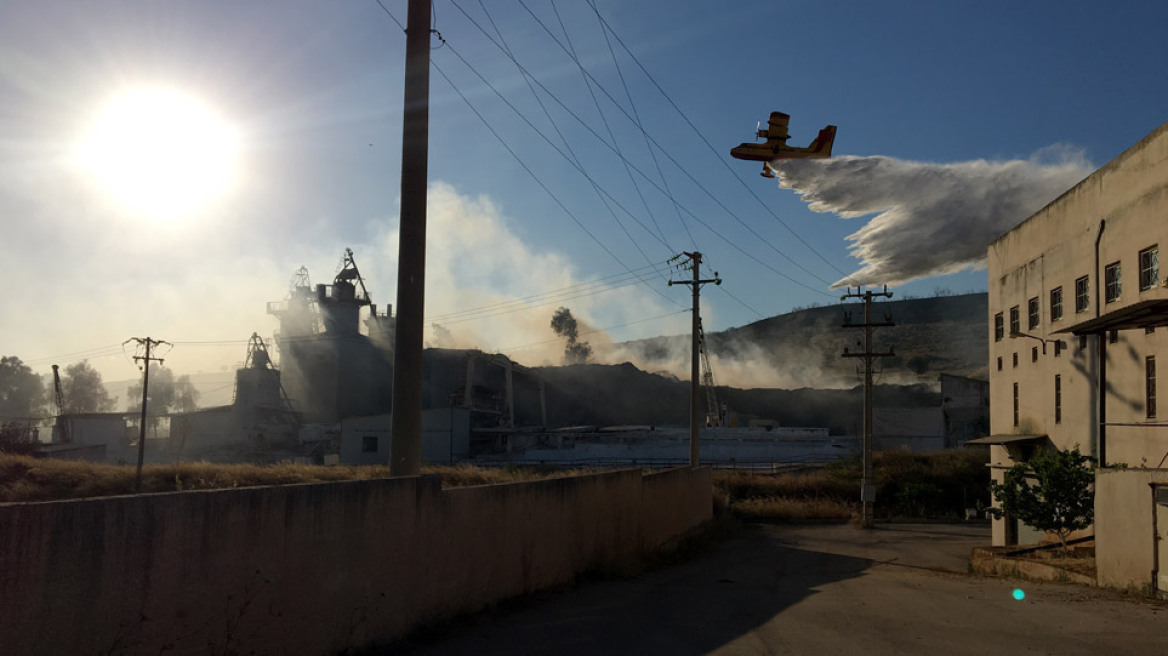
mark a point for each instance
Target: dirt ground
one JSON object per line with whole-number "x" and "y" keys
{"x": 816, "y": 589}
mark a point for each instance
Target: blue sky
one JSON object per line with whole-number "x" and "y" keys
{"x": 313, "y": 91}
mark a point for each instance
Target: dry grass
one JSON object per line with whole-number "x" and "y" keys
{"x": 24, "y": 478}
{"x": 911, "y": 485}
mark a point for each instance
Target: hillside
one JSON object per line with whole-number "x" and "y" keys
{"x": 945, "y": 334}
{"x": 622, "y": 394}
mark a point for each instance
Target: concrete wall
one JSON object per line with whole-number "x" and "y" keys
{"x": 1124, "y": 545}
{"x": 445, "y": 433}
{"x": 1050, "y": 250}
{"x": 313, "y": 569}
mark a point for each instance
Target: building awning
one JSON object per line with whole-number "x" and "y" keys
{"x": 1145, "y": 314}
{"x": 1006, "y": 439}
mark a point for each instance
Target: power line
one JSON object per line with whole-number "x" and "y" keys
{"x": 675, "y": 162}
{"x": 555, "y": 126}
{"x": 530, "y": 172}
{"x": 709, "y": 145}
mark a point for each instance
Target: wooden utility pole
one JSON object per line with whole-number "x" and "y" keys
{"x": 405, "y": 457}
{"x": 145, "y": 359}
{"x": 694, "y": 263}
{"x": 867, "y": 482}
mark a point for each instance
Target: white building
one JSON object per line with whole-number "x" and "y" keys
{"x": 1077, "y": 322}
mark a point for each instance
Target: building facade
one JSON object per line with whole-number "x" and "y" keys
{"x": 1078, "y": 324}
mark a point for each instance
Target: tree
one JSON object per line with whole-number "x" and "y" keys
{"x": 17, "y": 438}
{"x": 1060, "y": 499}
{"x": 84, "y": 391}
{"x": 22, "y": 394}
{"x": 166, "y": 393}
{"x": 575, "y": 352}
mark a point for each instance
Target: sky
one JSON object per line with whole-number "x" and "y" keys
{"x": 574, "y": 148}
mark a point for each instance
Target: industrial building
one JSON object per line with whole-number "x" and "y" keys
{"x": 1078, "y": 320}
{"x": 259, "y": 423}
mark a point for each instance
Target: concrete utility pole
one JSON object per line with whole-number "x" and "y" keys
{"x": 406, "y": 425}
{"x": 867, "y": 482}
{"x": 146, "y": 359}
{"x": 694, "y": 263}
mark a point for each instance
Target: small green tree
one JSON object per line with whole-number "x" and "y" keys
{"x": 1060, "y": 498}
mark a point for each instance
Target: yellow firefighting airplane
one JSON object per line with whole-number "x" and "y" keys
{"x": 775, "y": 147}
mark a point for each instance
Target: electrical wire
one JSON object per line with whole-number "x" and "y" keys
{"x": 715, "y": 151}
{"x": 575, "y": 159}
{"x": 528, "y": 169}
{"x": 676, "y": 163}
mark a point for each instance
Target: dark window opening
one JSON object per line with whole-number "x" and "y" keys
{"x": 369, "y": 444}
{"x": 1058, "y": 399}
{"x": 1150, "y": 386}
{"x": 1056, "y": 304}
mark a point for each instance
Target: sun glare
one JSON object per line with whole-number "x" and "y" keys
{"x": 160, "y": 152}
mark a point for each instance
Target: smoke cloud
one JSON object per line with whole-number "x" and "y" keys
{"x": 930, "y": 219}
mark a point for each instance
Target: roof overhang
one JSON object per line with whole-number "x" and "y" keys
{"x": 1145, "y": 314}
{"x": 1006, "y": 439}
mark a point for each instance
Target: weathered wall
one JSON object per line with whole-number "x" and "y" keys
{"x": 1123, "y": 525}
{"x": 313, "y": 569}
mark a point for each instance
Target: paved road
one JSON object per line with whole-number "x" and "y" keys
{"x": 828, "y": 589}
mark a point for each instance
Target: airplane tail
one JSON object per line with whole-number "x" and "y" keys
{"x": 823, "y": 143}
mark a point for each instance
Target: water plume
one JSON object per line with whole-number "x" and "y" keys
{"x": 930, "y": 219}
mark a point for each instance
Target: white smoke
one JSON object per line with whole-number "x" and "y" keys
{"x": 931, "y": 219}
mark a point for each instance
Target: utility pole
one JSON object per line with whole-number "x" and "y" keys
{"x": 694, "y": 263}
{"x": 405, "y": 457}
{"x": 867, "y": 482}
{"x": 146, "y": 359}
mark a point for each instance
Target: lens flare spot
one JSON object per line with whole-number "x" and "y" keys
{"x": 1019, "y": 594}
{"x": 160, "y": 151}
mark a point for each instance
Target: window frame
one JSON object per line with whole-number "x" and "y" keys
{"x": 999, "y": 327}
{"x": 1056, "y": 304}
{"x": 1033, "y": 313}
{"x": 1082, "y": 294}
{"x": 1149, "y": 260}
{"x": 1015, "y": 321}
{"x": 1112, "y": 282}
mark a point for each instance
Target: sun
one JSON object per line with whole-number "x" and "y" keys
{"x": 160, "y": 152}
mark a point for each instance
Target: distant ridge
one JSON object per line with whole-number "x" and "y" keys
{"x": 942, "y": 334}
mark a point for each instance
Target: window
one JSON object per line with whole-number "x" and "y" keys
{"x": 999, "y": 327}
{"x": 1015, "y": 405}
{"x": 1058, "y": 399}
{"x": 999, "y": 363}
{"x": 1113, "y": 282}
{"x": 1149, "y": 268}
{"x": 1112, "y": 336}
{"x": 1082, "y": 294}
{"x": 1034, "y": 354}
{"x": 1032, "y": 313}
{"x": 1015, "y": 360}
{"x": 1015, "y": 326}
{"x": 1056, "y": 304}
{"x": 369, "y": 444}
{"x": 1082, "y": 342}
{"x": 1150, "y": 386}
{"x": 1058, "y": 347}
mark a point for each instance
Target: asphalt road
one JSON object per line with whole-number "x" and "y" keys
{"x": 827, "y": 589}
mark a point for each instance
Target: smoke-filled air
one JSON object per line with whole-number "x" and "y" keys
{"x": 930, "y": 219}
